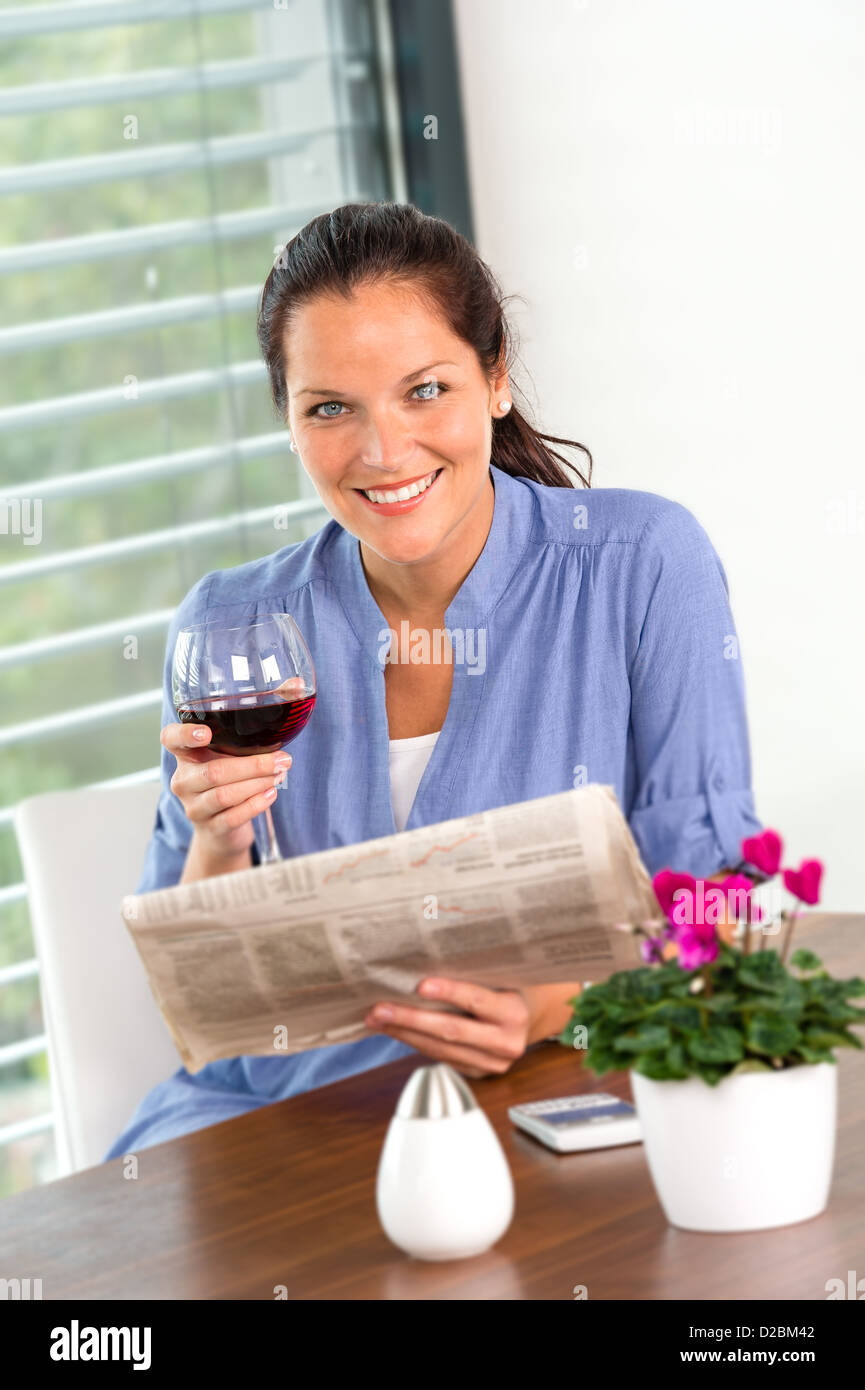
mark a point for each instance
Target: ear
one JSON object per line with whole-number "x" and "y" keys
{"x": 500, "y": 387}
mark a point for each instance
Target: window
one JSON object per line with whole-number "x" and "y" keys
{"x": 157, "y": 155}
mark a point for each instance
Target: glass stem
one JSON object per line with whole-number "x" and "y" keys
{"x": 268, "y": 849}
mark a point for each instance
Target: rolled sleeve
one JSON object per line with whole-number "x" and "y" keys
{"x": 697, "y": 835}
{"x": 172, "y": 832}
{"x": 693, "y": 802}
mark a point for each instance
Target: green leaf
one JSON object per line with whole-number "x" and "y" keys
{"x": 677, "y": 1061}
{"x": 635, "y": 986}
{"x": 834, "y": 1013}
{"x": 625, "y": 1014}
{"x": 814, "y": 1054}
{"x": 656, "y": 1068}
{"x": 678, "y": 1015}
{"x": 719, "y": 1043}
{"x": 681, "y": 988}
{"x": 749, "y": 1064}
{"x": 823, "y": 1038}
{"x": 588, "y": 1010}
{"x": 764, "y": 970}
{"x": 830, "y": 993}
{"x": 602, "y": 1059}
{"x": 805, "y": 960}
{"x": 649, "y": 1037}
{"x": 774, "y": 1036}
{"x": 722, "y": 1002}
{"x": 711, "y": 1075}
{"x": 788, "y": 1001}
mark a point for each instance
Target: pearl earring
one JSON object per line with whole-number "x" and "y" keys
{"x": 291, "y": 444}
{"x": 504, "y": 405}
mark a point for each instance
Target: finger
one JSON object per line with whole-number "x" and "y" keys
{"x": 505, "y": 1007}
{"x": 292, "y": 689}
{"x": 454, "y": 1053}
{"x": 451, "y": 1028}
{"x": 236, "y": 816}
{"x": 208, "y": 805}
{"x": 192, "y": 777}
{"x": 179, "y": 738}
{"x": 219, "y": 772}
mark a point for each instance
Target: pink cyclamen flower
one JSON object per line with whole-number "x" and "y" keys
{"x": 736, "y": 885}
{"x": 698, "y": 945}
{"x": 666, "y": 884}
{"x": 652, "y": 949}
{"x": 684, "y": 899}
{"x": 696, "y": 938}
{"x": 804, "y": 882}
{"x": 764, "y": 851}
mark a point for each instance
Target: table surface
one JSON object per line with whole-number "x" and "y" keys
{"x": 285, "y": 1196}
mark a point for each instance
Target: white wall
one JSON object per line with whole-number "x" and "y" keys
{"x": 677, "y": 190}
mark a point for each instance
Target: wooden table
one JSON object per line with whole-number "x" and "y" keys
{"x": 286, "y": 1196}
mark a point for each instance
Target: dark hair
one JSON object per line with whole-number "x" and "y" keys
{"x": 362, "y": 242}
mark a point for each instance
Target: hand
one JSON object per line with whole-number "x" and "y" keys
{"x": 486, "y": 1044}
{"x": 221, "y": 794}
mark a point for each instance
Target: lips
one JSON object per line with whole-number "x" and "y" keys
{"x": 400, "y": 505}
{"x": 390, "y": 492}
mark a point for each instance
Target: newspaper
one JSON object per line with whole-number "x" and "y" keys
{"x": 288, "y": 956}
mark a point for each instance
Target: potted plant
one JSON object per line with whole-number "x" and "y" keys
{"x": 730, "y": 1050}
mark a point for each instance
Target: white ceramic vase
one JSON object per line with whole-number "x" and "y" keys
{"x": 444, "y": 1188}
{"x": 753, "y": 1152}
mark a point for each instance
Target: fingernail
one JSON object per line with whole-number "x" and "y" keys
{"x": 383, "y": 1013}
{"x": 281, "y": 762}
{"x": 200, "y": 734}
{"x": 269, "y": 795}
{"x": 430, "y": 987}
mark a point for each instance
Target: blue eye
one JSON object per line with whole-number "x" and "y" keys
{"x": 438, "y": 386}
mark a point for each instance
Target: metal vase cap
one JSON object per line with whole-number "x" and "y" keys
{"x": 435, "y": 1093}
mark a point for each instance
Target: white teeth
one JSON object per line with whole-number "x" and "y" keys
{"x": 413, "y": 490}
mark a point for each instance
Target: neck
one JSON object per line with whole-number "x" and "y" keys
{"x": 427, "y": 588}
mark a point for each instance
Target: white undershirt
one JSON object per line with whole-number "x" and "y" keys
{"x": 408, "y": 758}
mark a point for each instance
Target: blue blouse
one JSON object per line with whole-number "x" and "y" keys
{"x": 593, "y": 641}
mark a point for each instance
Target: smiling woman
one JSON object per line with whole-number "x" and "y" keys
{"x": 603, "y": 617}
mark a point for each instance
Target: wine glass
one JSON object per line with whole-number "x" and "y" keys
{"x": 253, "y": 686}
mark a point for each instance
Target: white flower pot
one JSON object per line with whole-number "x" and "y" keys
{"x": 755, "y": 1151}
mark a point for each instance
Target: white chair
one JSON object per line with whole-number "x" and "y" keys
{"x": 107, "y": 1042}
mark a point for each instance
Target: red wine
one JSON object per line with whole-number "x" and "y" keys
{"x": 253, "y": 723}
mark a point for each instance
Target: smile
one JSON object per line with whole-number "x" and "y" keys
{"x": 393, "y": 501}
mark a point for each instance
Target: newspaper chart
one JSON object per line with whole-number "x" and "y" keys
{"x": 284, "y": 957}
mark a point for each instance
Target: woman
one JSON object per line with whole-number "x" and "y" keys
{"x": 589, "y": 634}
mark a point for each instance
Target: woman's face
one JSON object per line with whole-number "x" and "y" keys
{"x": 382, "y": 396}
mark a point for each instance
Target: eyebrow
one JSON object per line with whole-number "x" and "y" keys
{"x": 332, "y": 391}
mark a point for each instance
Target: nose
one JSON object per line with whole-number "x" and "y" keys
{"x": 386, "y": 443}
